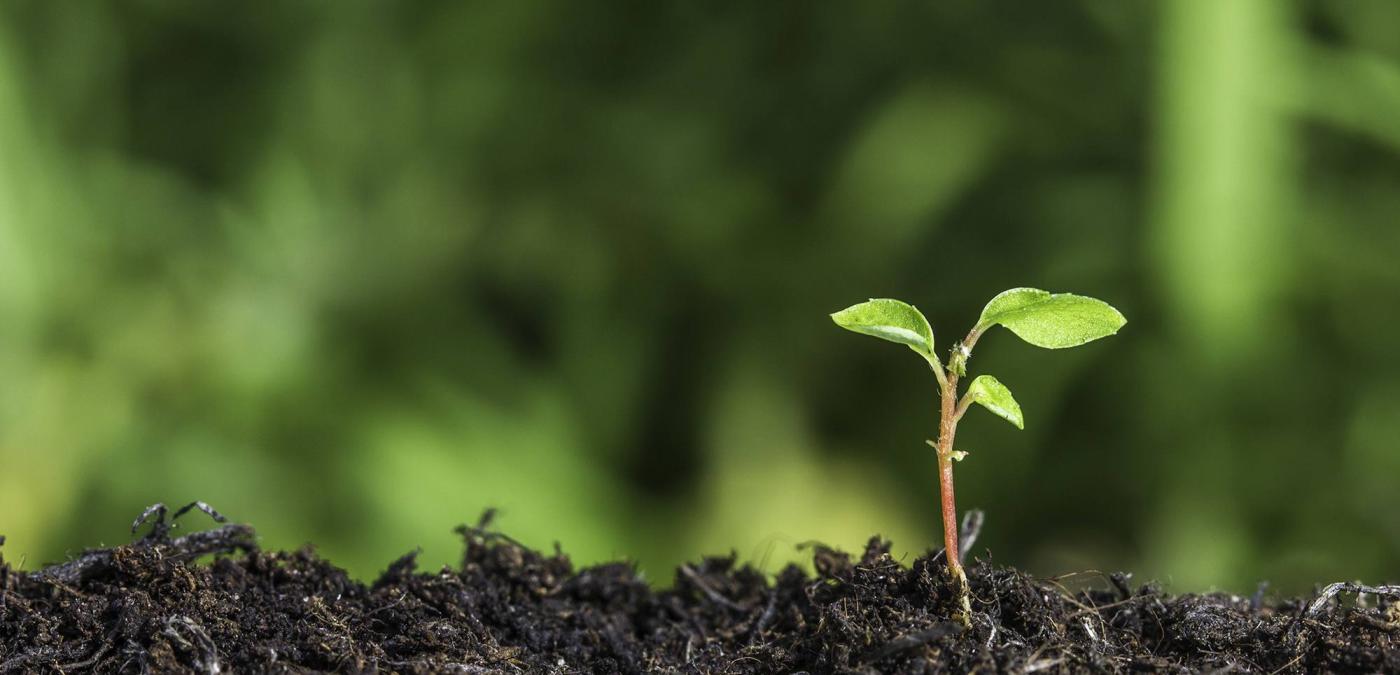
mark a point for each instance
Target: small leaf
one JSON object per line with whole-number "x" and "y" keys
{"x": 957, "y": 455}
{"x": 994, "y": 396}
{"x": 1052, "y": 321}
{"x": 889, "y": 320}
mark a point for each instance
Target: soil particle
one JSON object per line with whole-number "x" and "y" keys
{"x": 150, "y": 608}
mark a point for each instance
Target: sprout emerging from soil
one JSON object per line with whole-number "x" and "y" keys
{"x": 1049, "y": 320}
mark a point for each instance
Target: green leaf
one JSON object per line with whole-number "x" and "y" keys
{"x": 1051, "y": 320}
{"x": 889, "y": 320}
{"x": 994, "y": 396}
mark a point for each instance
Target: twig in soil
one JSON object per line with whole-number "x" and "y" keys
{"x": 765, "y": 618}
{"x": 482, "y": 530}
{"x": 1333, "y": 589}
{"x": 1290, "y": 664}
{"x": 96, "y": 655}
{"x": 206, "y": 653}
{"x": 160, "y": 528}
{"x": 46, "y": 654}
{"x": 1375, "y": 624}
{"x": 226, "y": 539}
{"x": 1330, "y": 592}
{"x": 710, "y": 593}
{"x": 1086, "y": 610}
{"x": 1119, "y": 581}
{"x": 971, "y": 527}
{"x": 397, "y": 601}
{"x": 912, "y": 640}
{"x": 1093, "y": 636}
{"x": 1068, "y": 595}
{"x": 1042, "y": 665}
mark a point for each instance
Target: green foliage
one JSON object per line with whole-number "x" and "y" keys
{"x": 413, "y": 243}
{"x": 991, "y": 394}
{"x": 889, "y": 320}
{"x": 1051, "y": 320}
{"x": 1044, "y": 319}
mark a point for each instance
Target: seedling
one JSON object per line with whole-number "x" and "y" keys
{"x": 1049, "y": 320}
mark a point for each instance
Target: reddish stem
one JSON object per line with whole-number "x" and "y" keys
{"x": 950, "y": 511}
{"x": 946, "y": 428}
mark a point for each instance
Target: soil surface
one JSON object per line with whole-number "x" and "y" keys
{"x": 152, "y": 607}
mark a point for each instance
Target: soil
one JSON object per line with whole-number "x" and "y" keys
{"x": 153, "y": 607}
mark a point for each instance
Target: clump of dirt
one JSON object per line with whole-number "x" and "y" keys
{"x": 149, "y": 607}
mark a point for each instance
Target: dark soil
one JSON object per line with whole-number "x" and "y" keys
{"x": 148, "y": 607}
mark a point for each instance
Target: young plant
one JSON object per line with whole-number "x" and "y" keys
{"x": 1049, "y": 320}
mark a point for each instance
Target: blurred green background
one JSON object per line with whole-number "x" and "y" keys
{"x": 354, "y": 271}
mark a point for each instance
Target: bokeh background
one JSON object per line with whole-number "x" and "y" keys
{"x": 354, "y": 271}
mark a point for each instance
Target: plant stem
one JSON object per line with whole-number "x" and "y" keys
{"x": 947, "y": 427}
{"x": 950, "y": 510}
